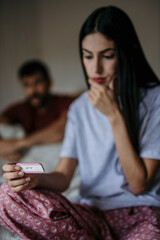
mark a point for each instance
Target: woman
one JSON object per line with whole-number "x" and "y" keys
{"x": 113, "y": 133}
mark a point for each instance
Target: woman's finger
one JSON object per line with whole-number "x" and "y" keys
{"x": 13, "y": 175}
{"x": 95, "y": 84}
{"x": 26, "y": 183}
{"x": 20, "y": 188}
{"x": 94, "y": 90}
{"x": 18, "y": 182}
{"x": 91, "y": 97}
{"x": 11, "y": 167}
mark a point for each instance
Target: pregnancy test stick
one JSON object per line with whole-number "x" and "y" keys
{"x": 31, "y": 167}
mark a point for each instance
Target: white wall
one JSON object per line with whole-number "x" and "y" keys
{"x": 48, "y": 29}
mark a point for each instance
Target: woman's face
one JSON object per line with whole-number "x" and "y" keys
{"x": 99, "y": 58}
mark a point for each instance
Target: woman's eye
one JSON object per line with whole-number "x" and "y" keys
{"x": 108, "y": 56}
{"x": 88, "y": 57}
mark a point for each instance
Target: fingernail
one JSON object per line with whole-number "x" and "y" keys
{"x": 17, "y": 167}
{"x": 21, "y": 173}
{"x": 28, "y": 179}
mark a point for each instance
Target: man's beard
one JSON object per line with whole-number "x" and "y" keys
{"x": 42, "y": 100}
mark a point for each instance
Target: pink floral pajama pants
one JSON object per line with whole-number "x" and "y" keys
{"x": 42, "y": 214}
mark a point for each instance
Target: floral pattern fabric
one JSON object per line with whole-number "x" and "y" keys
{"x": 42, "y": 214}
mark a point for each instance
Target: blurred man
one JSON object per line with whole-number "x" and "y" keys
{"x": 41, "y": 114}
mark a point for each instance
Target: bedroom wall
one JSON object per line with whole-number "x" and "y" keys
{"x": 48, "y": 30}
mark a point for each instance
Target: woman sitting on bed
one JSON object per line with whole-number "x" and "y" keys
{"x": 113, "y": 134}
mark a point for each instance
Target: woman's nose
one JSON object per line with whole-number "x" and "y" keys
{"x": 98, "y": 66}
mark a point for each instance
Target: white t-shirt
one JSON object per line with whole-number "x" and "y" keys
{"x": 89, "y": 139}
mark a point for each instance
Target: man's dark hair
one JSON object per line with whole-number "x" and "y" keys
{"x": 32, "y": 67}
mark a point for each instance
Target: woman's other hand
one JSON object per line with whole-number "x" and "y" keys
{"x": 103, "y": 98}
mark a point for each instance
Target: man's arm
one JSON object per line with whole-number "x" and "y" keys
{"x": 4, "y": 119}
{"x": 52, "y": 134}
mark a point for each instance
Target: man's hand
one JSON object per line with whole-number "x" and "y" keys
{"x": 13, "y": 157}
{"x": 8, "y": 147}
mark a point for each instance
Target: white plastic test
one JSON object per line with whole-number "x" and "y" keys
{"x": 31, "y": 167}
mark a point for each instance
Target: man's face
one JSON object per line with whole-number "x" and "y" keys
{"x": 36, "y": 89}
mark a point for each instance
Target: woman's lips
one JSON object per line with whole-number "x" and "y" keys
{"x": 99, "y": 80}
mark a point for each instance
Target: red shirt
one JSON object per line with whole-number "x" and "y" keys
{"x": 30, "y": 118}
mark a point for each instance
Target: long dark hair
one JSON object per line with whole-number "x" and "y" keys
{"x": 134, "y": 72}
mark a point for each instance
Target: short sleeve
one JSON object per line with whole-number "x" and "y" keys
{"x": 69, "y": 142}
{"x": 11, "y": 113}
{"x": 150, "y": 130}
{"x": 64, "y": 103}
